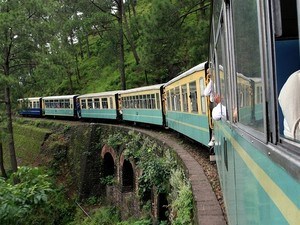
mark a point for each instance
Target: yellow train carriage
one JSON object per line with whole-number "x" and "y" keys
{"x": 186, "y": 106}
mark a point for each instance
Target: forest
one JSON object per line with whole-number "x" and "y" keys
{"x": 61, "y": 47}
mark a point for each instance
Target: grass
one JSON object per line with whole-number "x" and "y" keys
{"x": 28, "y": 142}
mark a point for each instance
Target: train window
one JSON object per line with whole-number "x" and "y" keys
{"x": 203, "y": 98}
{"x": 111, "y": 102}
{"x": 83, "y": 103}
{"x": 248, "y": 67}
{"x": 90, "y": 103}
{"x": 177, "y": 99}
{"x": 97, "y": 103}
{"x": 172, "y": 93}
{"x": 104, "y": 103}
{"x": 56, "y": 104}
{"x": 168, "y": 100}
{"x": 67, "y": 103}
{"x": 223, "y": 76}
{"x": 157, "y": 101}
{"x": 184, "y": 98}
{"x": 193, "y": 97}
{"x": 153, "y": 101}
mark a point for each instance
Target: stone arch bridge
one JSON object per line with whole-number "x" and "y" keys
{"x": 91, "y": 157}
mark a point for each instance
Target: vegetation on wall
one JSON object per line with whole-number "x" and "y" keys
{"x": 159, "y": 171}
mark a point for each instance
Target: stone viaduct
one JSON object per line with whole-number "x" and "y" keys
{"x": 91, "y": 158}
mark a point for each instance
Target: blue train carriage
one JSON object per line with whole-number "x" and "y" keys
{"x": 103, "y": 105}
{"x": 30, "y": 106}
{"x": 257, "y": 45}
{"x": 60, "y": 106}
{"x": 143, "y": 105}
{"x": 186, "y": 105}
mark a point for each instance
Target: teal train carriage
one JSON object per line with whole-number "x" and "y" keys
{"x": 61, "y": 106}
{"x": 256, "y": 43}
{"x": 103, "y": 105}
{"x": 143, "y": 105}
{"x": 30, "y": 106}
{"x": 186, "y": 105}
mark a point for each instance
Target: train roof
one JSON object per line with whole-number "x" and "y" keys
{"x": 99, "y": 94}
{"x": 59, "y": 97}
{"x": 30, "y": 99}
{"x": 199, "y": 67}
{"x": 145, "y": 88}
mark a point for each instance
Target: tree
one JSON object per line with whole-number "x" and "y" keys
{"x": 22, "y": 29}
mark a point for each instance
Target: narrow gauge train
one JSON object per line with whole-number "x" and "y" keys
{"x": 178, "y": 104}
{"x": 254, "y": 51}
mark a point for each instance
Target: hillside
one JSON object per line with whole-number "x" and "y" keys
{"x": 161, "y": 38}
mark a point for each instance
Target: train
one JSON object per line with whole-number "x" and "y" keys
{"x": 254, "y": 61}
{"x": 178, "y": 104}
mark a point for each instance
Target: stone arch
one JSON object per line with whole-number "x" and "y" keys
{"x": 108, "y": 165}
{"x": 108, "y": 149}
{"x": 162, "y": 207}
{"x": 108, "y": 155}
{"x": 128, "y": 174}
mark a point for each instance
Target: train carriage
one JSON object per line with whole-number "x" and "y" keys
{"x": 30, "y": 106}
{"x": 186, "y": 109}
{"x": 103, "y": 105}
{"x": 143, "y": 105}
{"x": 257, "y": 45}
{"x": 62, "y": 106}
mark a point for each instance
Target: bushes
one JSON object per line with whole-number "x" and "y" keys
{"x": 34, "y": 200}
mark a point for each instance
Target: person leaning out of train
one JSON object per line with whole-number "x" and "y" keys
{"x": 219, "y": 111}
{"x": 209, "y": 91}
{"x": 289, "y": 101}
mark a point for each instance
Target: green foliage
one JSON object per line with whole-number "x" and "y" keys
{"x": 104, "y": 216}
{"x": 33, "y": 200}
{"x": 181, "y": 198}
{"x": 108, "y": 180}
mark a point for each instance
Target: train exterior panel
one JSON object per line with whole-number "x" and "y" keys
{"x": 100, "y": 105}
{"x": 258, "y": 164}
{"x": 30, "y": 106}
{"x": 186, "y": 109}
{"x": 62, "y": 106}
{"x": 143, "y": 105}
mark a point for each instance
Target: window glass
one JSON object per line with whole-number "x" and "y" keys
{"x": 51, "y": 104}
{"x": 168, "y": 100}
{"x": 184, "y": 98}
{"x": 157, "y": 101}
{"x": 56, "y": 104}
{"x": 111, "y": 102}
{"x": 224, "y": 79}
{"x": 193, "y": 97}
{"x": 83, "y": 103}
{"x": 177, "y": 99}
{"x": 104, "y": 103}
{"x": 172, "y": 99}
{"x": 90, "y": 103}
{"x": 203, "y": 98}
{"x": 67, "y": 103}
{"x": 97, "y": 103}
{"x": 248, "y": 65}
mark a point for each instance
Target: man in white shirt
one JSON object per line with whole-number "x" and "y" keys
{"x": 289, "y": 101}
{"x": 219, "y": 111}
